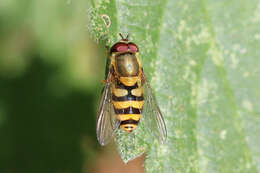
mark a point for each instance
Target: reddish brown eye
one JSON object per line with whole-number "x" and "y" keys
{"x": 133, "y": 47}
{"x": 119, "y": 47}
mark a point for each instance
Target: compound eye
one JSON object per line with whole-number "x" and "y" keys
{"x": 133, "y": 47}
{"x": 119, "y": 47}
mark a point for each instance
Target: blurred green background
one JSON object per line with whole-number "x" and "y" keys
{"x": 50, "y": 73}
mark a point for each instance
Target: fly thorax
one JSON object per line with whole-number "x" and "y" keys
{"x": 127, "y": 65}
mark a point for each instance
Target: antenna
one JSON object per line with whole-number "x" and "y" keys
{"x": 122, "y": 37}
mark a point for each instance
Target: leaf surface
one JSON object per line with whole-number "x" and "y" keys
{"x": 202, "y": 58}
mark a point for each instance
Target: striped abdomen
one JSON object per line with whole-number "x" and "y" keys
{"x": 128, "y": 104}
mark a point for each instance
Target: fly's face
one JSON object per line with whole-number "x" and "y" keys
{"x": 127, "y": 97}
{"x": 124, "y": 46}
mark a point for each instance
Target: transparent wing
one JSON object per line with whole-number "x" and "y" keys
{"x": 106, "y": 123}
{"x": 153, "y": 118}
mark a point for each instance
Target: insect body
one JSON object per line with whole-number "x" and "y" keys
{"x": 127, "y": 97}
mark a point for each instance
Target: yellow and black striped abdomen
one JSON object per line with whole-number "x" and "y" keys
{"x": 128, "y": 104}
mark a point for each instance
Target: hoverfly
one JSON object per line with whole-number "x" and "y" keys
{"x": 127, "y": 95}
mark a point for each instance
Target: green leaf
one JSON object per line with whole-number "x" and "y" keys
{"x": 201, "y": 57}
